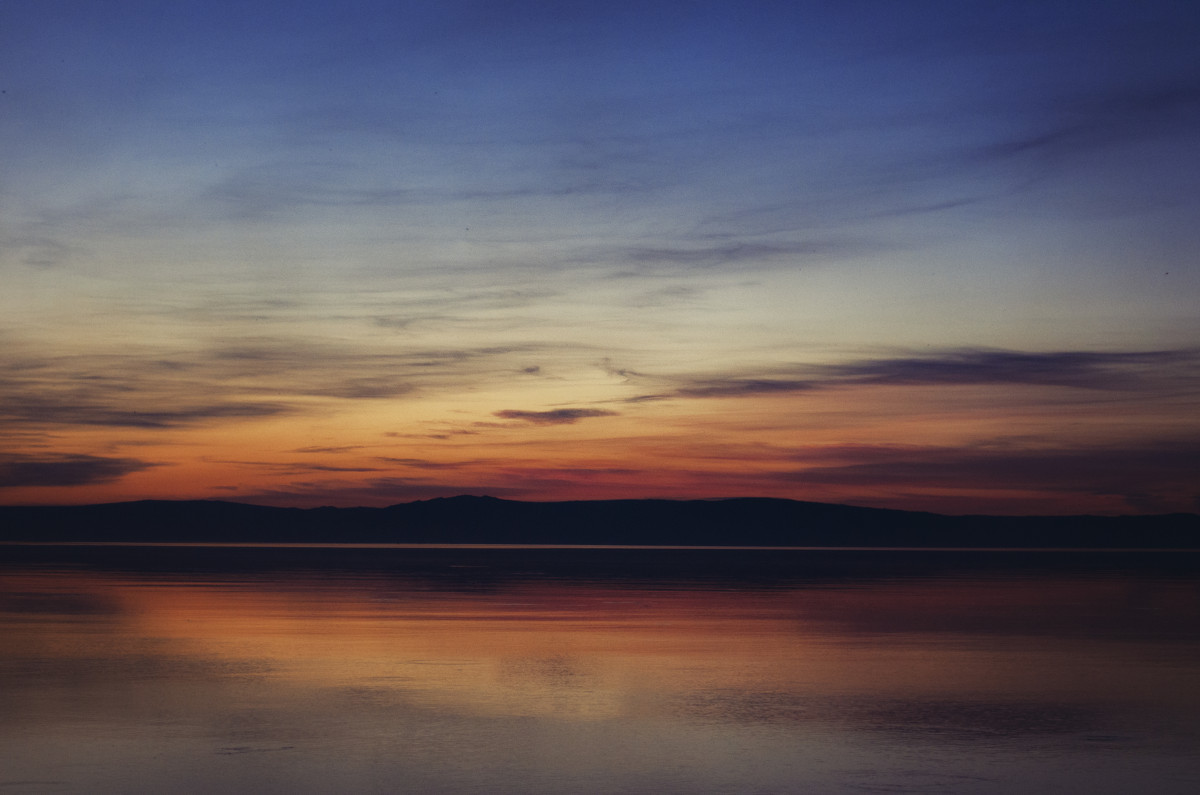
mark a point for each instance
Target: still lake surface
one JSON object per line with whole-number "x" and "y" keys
{"x": 298, "y": 670}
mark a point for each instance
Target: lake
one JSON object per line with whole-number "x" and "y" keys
{"x": 317, "y": 670}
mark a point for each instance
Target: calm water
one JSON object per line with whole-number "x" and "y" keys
{"x": 435, "y": 671}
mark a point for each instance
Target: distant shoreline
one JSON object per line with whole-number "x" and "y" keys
{"x": 350, "y": 545}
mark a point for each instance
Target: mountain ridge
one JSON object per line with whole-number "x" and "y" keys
{"x": 737, "y": 521}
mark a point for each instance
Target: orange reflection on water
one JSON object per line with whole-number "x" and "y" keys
{"x": 525, "y": 650}
{"x": 595, "y": 650}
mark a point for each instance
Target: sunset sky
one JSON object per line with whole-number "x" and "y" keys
{"x": 927, "y": 255}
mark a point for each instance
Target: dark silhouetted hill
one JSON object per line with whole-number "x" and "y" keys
{"x": 486, "y": 520}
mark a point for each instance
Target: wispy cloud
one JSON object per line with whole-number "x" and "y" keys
{"x": 168, "y": 388}
{"x": 288, "y": 467}
{"x": 733, "y": 253}
{"x": 268, "y": 190}
{"x": 37, "y": 250}
{"x": 1096, "y": 120}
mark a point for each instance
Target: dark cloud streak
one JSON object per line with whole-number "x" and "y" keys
{"x": 58, "y": 411}
{"x": 65, "y": 470}
{"x": 1149, "y": 476}
{"x": 743, "y": 387}
{"x": 554, "y": 416}
{"x": 1092, "y": 370}
{"x": 1082, "y": 369}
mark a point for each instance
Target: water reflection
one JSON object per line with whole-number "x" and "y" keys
{"x": 486, "y": 673}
